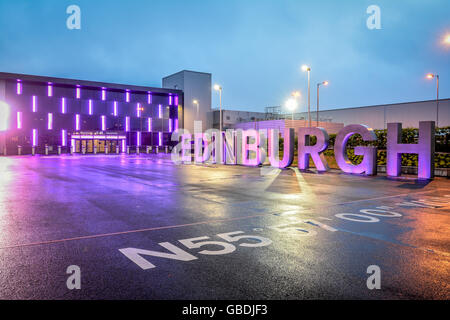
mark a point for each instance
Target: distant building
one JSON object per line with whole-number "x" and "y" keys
{"x": 43, "y": 113}
{"x": 330, "y": 127}
{"x": 378, "y": 116}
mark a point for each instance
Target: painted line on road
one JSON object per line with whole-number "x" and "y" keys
{"x": 101, "y": 235}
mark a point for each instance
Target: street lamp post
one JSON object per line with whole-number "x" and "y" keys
{"x": 431, "y": 76}
{"x": 325, "y": 83}
{"x": 219, "y": 88}
{"x": 308, "y": 69}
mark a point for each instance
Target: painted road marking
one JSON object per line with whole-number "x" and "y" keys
{"x": 175, "y": 253}
{"x": 101, "y": 235}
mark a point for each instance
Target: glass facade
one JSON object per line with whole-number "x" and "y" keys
{"x": 55, "y": 114}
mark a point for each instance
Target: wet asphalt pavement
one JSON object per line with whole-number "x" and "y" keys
{"x": 316, "y": 234}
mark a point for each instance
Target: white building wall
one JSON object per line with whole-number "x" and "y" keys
{"x": 195, "y": 85}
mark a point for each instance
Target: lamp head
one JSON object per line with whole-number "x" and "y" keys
{"x": 291, "y": 104}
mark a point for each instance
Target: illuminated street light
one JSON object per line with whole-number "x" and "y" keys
{"x": 446, "y": 40}
{"x": 291, "y": 105}
{"x": 431, "y": 76}
{"x": 195, "y": 101}
{"x": 325, "y": 83}
{"x": 219, "y": 88}
{"x": 305, "y": 68}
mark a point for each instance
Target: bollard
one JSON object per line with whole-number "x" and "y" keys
{"x": 148, "y": 149}
{"x": 19, "y": 150}
{"x": 117, "y": 149}
{"x": 83, "y": 150}
{"x": 59, "y": 150}
{"x": 46, "y": 150}
{"x": 128, "y": 149}
{"x": 138, "y": 150}
{"x": 167, "y": 149}
{"x": 106, "y": 150}
{"x": 157, "y": 150}
{"x": 95, "y": 149}
{"x": 33, "y": 151}
{"x": 72, "y": 150}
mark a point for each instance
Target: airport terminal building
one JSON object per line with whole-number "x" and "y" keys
{"x": 43, "y": 114}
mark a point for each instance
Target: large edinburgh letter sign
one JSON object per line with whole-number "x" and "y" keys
{"x": 250, "y": 148}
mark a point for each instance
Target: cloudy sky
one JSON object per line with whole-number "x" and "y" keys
{"x": 253, "y": 48}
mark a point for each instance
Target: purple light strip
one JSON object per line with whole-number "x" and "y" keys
{"x": 19, "y": 87}
{"x": 63, "y": 138}
{"x": 63, "y": 105}
{"x": 170, "y": 125}
{"x": 170, "y": 99}
{"x": 50, "y": 121}
{"x": 149, "y": 97}
{"x": 34, "y": 103}
{"x": 103, "y": 94}
{"x": 127, "y": 96}
{"x": 115, "y": 108}
{"x": 160, "y": 113}
{"x": 103, "y": 123}
{"x": 123, "y": 145}
{"x": 34, "y": 139}
{"x": 77, "y": 122}
{"x": 78, "y": 92}
{"x": 90, "y": 106}
{"x": 149, "y": 123}
{"x": 138, "y": 138}
{"x": 176, "y": 124}
{"x": 19, "y": 120}
{"x": 176, "y": 100}
{"x": 160, "y": 138}
{"x": 138, "y": 109}
{"x": 50, "y": 89}
{"x": 127, "y": 124}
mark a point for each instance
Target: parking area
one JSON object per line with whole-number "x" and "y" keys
{"x": 140, "y": 227}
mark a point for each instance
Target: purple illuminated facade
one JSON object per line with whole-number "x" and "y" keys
{"x": 87, "y": 116}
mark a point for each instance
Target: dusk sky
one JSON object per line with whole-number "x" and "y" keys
{"x": 254, "y": 49}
